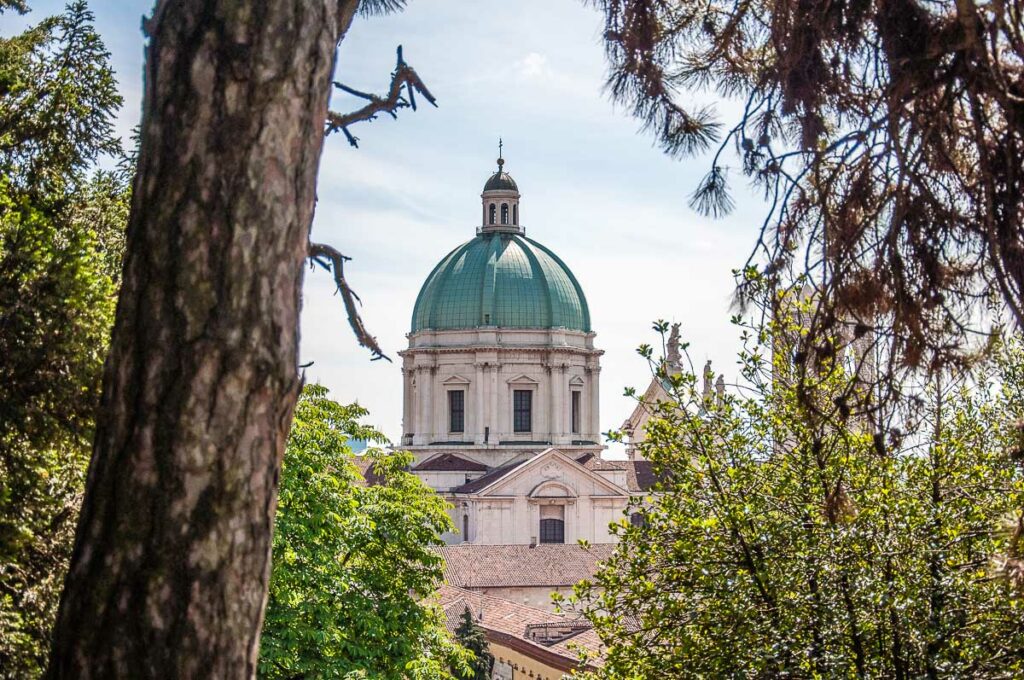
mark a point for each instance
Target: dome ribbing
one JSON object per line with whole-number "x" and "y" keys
{"x": 501, "y": 279}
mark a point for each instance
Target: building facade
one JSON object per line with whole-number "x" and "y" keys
{"x": 501, "y": 389}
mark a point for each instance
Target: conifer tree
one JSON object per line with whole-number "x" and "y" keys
{"x": 61, "y": 239}
{"x": 472, "y": 637}
{"x": 887, "y": 137}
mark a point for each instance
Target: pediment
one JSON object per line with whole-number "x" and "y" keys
{"x": 551, "y": 470}
{"x": 455, "y": 380}
{"x": 522, "y": 379}
{"x": 576, "y": 381}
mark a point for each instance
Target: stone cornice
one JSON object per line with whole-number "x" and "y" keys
{"x": 463, "y": 349}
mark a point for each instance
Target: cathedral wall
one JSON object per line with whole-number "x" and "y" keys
{"x": 489, "y": 376}
{"x": 495, "y": 522}
{"x": 511, "y": 664}
{"x": 585, "y": 505}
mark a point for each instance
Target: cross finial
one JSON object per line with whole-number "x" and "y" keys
{"x": 501, "y": 161}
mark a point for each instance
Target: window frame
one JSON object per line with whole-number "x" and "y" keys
{"x": 575, "y": 411}
{"x": 519, "y": 412}
{"x": 461, "y": 410}
{"x": 552, "y": 531}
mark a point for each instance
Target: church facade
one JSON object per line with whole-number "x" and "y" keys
{"x": 501, "y": 390}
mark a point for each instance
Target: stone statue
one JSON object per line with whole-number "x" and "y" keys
{"x": 709, "y": 376}
{"x": 674, "y": 359}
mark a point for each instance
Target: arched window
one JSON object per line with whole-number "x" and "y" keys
{"x": 552, "y": 531}
{"x": 504, "y": 213}
{"x": 492, "y": 211}
{"x": 465, "y": 528}
{"x": 515, "y": 214}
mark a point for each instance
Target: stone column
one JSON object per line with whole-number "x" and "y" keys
{"x": 408, "y": 401}
{"x": 554, "y": 410}
{"x": 594, "y": 415}
{"x": 560, "y": 402}
{"x": 424, "y": 393}
{"x": 438, "y": 401}
{"x": 478, "y": 394}
{"x": 494, "y": 417}
{"x": 566, "y": 407}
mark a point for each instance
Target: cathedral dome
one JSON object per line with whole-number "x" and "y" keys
{"x": 501, "y": 279}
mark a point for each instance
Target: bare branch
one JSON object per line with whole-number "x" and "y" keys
{"x": 333, "y": 261}
{"x": 403, "y": 79}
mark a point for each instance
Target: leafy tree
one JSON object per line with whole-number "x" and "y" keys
{"x": 781, "y": 545}
{"x": 353, "y": 564}
{"x": 886, "y": 135}
{"x": 61, "y": 238}
{"x": 472, "y": 637}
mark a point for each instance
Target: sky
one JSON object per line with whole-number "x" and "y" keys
{"x": 594, "y": 187}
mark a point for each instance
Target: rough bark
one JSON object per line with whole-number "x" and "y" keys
{"x": 172, "y": 554}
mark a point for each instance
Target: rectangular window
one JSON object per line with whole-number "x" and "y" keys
{"x": 575, "y": 419}
{"x": 522, "y": 410}
{"x": 456, "y": 410}
{"x": 552, "y": 531}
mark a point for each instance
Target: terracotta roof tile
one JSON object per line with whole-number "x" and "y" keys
{"x": 365, "y": 466}
{"x": 492, "y": 566}
{"x": 587, "y": 640}
{"x": 449, "y": 462}
{"x": 486, "y": 480}
{"x": 504, "y": 617}
{"x": 494, "y": 613}
{"x": 643, "y": 477}
{"x": 596, "y": 463}
{"x": 639, "y": 473}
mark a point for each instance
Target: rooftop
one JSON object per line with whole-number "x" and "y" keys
{"x": 469, "y": 565}
{"x": 449, "y": 462}
{"x": 507, "y": 622}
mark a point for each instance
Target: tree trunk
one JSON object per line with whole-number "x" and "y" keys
{"x": 172, "y": 554}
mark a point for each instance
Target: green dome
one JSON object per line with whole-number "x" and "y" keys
{"x": 501, "y": 279}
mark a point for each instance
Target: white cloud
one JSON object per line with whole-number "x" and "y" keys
{"x": 533, "y": 65}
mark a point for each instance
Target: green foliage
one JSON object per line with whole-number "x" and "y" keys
{"x": 784, "y": 545}
{"x": 59, "y": 100}
{"x": 61, "y": 239}
{"x": 472, "y": 637}
{"x": 353, "y": 564}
